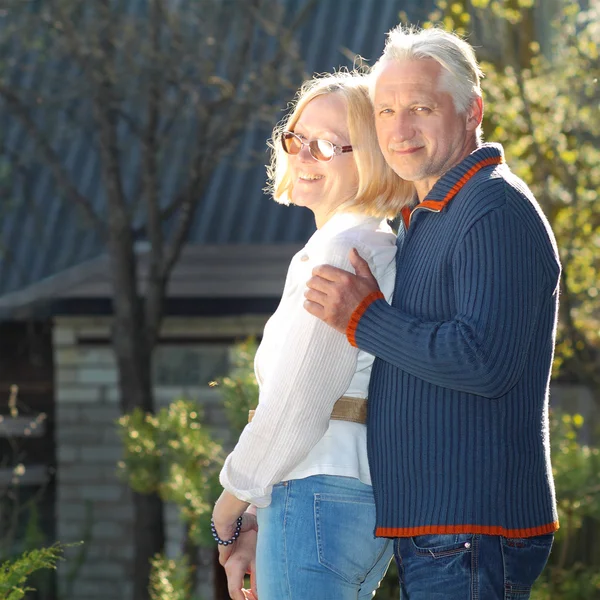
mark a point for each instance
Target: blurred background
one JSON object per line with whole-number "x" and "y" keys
{"x": 140, "y": 259}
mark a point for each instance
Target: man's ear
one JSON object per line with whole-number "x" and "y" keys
{"x": 475, "y": 114}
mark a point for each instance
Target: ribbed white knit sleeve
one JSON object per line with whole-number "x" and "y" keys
{"x": 313, "y": 369}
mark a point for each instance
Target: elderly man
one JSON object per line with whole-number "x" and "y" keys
{"x": 458, "y": 400}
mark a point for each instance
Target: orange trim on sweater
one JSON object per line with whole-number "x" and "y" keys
{"x": 406, "y": 212}
{"x": 359, "y": 311}
{"x": 438, "y": 205}
{"x": 451, "y": 529}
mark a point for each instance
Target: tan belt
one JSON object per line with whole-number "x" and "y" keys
{"x": 345, "y": 409}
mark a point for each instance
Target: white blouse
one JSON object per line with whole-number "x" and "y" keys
{"x": 303, "y": 366}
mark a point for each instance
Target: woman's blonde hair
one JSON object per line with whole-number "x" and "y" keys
{"x": 380, "y": 192}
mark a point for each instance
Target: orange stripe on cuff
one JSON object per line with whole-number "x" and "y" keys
{"x": 451, "y": 529}
{"x": 359, "y": 311}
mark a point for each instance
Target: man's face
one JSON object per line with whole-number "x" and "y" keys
{"x": 420, "y": 133}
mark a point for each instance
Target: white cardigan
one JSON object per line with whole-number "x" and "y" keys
{"x": 303, "y": 366}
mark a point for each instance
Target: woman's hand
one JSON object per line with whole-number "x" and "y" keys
{"x": 225, "y": 514}
{"x": 241, "y": 561}
{"x": 249, "y": 524}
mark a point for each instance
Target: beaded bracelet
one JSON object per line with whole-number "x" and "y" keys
{"x": 238, "y": 527}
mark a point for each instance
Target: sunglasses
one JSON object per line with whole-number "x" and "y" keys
{"x": 321, "y": 150}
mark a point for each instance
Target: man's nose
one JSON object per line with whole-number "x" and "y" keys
{"x": 404, "y": 128}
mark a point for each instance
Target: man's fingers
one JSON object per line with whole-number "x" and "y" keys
{"x": 315, "y": 296}
{"x": 329, "y": 273}
{"x": 361, "y": 266}
{"x": 224, "y": 553}
{"x": 318, "y": 283}
{"x": 253, "y": 580}
{"x": 249, "y": 523}
{"x": 235, "y": 579}
{"x": 314, "y": 309}
{"x": 236, "y": 594}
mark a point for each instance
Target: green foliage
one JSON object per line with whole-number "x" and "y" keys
{"x": 576, "y": 467}
{"x": 576, "y": 470}
{"x": 170, "y": 579}
{"x": 547, "y": 118}
{"x": 240, "y": 389}
{"x": 543, "y": 108}
{"x": 173, "y": 454}
{"x": 24, "y": 561}
{"x": 15, "y": 573}
{"x": 577, "y": 583}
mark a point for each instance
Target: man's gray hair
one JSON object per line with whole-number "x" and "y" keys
{"x": 461, "y": 73}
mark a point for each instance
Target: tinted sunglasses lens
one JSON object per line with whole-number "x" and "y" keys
{"x": 321, "y": 149}
{"x": 291, "y": 143}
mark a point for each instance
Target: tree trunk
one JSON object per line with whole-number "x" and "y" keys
{"x": 220, "y": 579}
{"x": 134, "y": 360}
{"x": 149, "y": 539}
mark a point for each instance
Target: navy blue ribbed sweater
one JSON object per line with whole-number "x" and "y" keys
{"x": 458, "y": 400}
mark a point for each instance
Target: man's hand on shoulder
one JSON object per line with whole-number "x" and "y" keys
{"x": 334, "y": 294}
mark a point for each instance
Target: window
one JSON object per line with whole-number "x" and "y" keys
{"x": 190, "y": 365}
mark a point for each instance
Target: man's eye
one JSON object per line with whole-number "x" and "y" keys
{"x": 424, "y": 110}
{"x": 386, "y": 111}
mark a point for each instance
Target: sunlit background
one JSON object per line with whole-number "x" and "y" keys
{"x": 138, "y": 253}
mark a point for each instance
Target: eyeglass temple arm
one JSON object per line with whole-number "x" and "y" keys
{"x": 343, "y": 149}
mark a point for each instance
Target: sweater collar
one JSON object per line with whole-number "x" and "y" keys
{"x": 447, "y": 186}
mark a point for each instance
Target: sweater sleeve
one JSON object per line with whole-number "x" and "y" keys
{"x": 500, "y": 280}
{"x": 314, "y": 368}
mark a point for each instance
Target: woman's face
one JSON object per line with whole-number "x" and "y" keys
{"x": 323, "y": 186}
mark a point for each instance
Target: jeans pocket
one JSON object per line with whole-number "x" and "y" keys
{"x": 524, "y": 560}
{"x": 345, "y": 540}
{"x": 441, "y": 545}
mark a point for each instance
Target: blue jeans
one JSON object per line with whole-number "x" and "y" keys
{"x": 470, "y": 567}
{"x": 316, "y": 541}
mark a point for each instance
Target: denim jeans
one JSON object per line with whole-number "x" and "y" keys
{"x": 470, "y": 567}
{"x": 316, "y": 541}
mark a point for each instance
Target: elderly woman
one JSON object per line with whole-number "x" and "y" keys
{"x": 302, "y": 460}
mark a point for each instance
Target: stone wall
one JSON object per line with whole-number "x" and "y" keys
{"x": 91, "y": 503}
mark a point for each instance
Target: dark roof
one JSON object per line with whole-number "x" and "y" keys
{"x": 45, "y": 236}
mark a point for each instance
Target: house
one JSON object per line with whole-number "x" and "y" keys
{"x": 55, "y": 306}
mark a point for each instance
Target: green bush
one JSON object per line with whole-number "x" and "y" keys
{"x": 240, "y": 388}
{"x": 572, "y": 572}
{"x": 170, "y": 579}
{"x": 173, "y": 454}
{"x": 15, "y": 573}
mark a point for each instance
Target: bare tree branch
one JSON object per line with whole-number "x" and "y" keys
{"x": 53, "y": 161}
{"x": 157, "y": 276}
